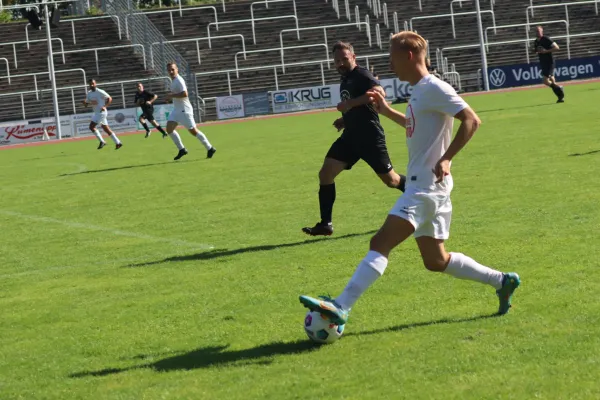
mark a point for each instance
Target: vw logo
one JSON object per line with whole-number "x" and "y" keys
{"x": 497, "y": 77}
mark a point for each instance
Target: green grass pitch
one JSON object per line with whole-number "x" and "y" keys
{"x": 125, "y": 275}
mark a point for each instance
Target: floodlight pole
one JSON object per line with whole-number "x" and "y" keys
{"x": 484, "y": 70}
{"x": 52, "y": 75}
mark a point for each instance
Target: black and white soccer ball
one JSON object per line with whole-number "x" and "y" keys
{"x": 320, "y": 329}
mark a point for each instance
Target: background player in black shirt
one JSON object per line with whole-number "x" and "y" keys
{"x": 362, "y": 138}
{"x": 145, "y": 100}
{"x": 544, "y": 47}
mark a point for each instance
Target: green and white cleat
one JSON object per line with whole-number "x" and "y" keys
{"x": 510, "y": 283}
{"x": 326, "y": 306}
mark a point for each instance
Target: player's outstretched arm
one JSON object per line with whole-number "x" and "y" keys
{"x": 470, "y": 122}
{"x": 344, "y": 106}
{"x": 384, "y": 108}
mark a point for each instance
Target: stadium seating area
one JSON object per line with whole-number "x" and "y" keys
{"x": 261, "y": 71}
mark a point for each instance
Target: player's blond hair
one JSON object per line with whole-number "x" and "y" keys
{"x": 409, "y": 41}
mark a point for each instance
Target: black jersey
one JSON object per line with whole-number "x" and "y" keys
{"x": 546, "y": 43}
{"x": 146, "y": 96}
{"x": 362, "y": 120}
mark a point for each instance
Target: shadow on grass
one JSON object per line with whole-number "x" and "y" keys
{"x": 513, "y": 108}
{"x": 217, "y": 253}
{"x": 213, "y": 357}
{"x": 422, "y": 325}
{"x": 93, "y": 171}
{"x": 216, "y": 356}
{"x": 584, "y": 154}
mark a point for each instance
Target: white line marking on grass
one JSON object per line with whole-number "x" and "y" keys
{"x": 118, "y": 232}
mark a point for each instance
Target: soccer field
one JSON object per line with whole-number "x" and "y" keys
{"x": 126, "y": 275}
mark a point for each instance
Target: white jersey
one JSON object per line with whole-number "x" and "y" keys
{"x": 429, "y": 121}
{"x": 180, "y": 104}
{"x": 97, "y": 98}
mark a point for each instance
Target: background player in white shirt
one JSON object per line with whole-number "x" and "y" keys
{"x": 183, "y": 114}
{"x": 424, "y": 210}
{"x": 100, "y": 100}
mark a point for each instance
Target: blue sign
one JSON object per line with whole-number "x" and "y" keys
{"x": 256, "y": 103}
{"x": 531, "y": 74}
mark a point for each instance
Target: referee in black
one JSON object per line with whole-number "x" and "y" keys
{"x": 362, "y": 138}
{"x": 544, "y": 47}
{"x": 145, "y": 100}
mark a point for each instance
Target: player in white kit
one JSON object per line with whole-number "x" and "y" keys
{"x": 100, "y": 100}
{"x": 183, "y": 114}
{"x": 424, "y": 210}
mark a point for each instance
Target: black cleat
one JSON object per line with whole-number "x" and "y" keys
{"x": 147, "y": 134}
{"x": 101, "y": 145}
{"x": 181, "y": 153}
{"x": 118, "y": 146}
{"x": 561, "y": 100}
{"x": 164, "y": 135}
{"x": 320, "y": 229}
{"x": 211, "y": 152}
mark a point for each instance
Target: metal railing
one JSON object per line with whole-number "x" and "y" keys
{"x": 104, "y": 85}
{"x": 325, "y": 27}
{"x": 96, "y": 49}
{"x": 7, "y": 68}
{"x": 35, "y": 74}
{"x": 452, "y": 15}
{"x": 275, "y": 67}
{"x": 501, "y": 43}
{"x": 198, "y": 40}
{"x": 281, "y": 50}
{"x": 253, "y": 21}
{"x": 565, "y": 5}
{"x": 527, "y": 25}
{"x": 378, "y": 36}
{"x": 72, "y": 21}
{"x": 266, "y": 3}
{"x": 62, "y": 47}
{"x": 171, "y": 16}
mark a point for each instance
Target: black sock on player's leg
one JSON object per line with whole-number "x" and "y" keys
{"x": 161, "y": 130}
{"x": 145, "y": 126}
{"x": 557, "y": 90}
{"x": 326, "y": 200}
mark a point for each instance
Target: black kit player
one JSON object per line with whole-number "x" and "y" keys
{"x": 145, "y": 100}
{"x": 544, "y": 47}
{"x": 362, "y": 137}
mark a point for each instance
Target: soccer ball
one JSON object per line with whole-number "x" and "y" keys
{"x": 320, "y": 329}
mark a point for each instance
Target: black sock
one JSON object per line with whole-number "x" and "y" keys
{"x": 326, "y": 200}
{"x": 557, "y": 90}
{"x": 402, "y": 184}
{"x": 161, "y": 130}
{"x": 145, "y": 127}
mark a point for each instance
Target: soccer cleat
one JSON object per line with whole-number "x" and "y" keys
{"x": 326, "y": 306}
{"x": 510, "y": 282}
{"x": 561, "y": 100}
{"x": 211, "y": 152}
{"x": 320, "y": 229}
{"x": 101, "y": 145}
{"x": 164, "y": 135}
{"x": 181, "y": 153}
{"x": 118, "y": 146}
{"x": 147, "y": 134}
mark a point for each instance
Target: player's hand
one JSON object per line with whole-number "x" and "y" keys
{"x": 441, "y": 170}
{"x": 148, "y": 103}
{"x": 85, "y": 103}
{"x": 378, "y": 101}
{"x": 343, "y": 107}
{"x": 339, "y": 124}
{"x": 169, "y": 97}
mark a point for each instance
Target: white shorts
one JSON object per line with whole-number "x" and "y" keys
{"x": 182, "y": 118}
{"x": 429, "y": 211}
{"x": 99, "y": 118}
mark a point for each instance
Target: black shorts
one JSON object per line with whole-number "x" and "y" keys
{"x": 373, "y": 151}
{"x": 547, "y": 70}
{"x": 148, "y": 115}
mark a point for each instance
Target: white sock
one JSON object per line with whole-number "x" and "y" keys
{"x": 367, "y": 272}
{"x": 464, "y": 267}
{"x": 98, "y": 135}
{"x": 177, "y": 140}
{"x": 115, "y": 138}
{"x": 202, "y": 138}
